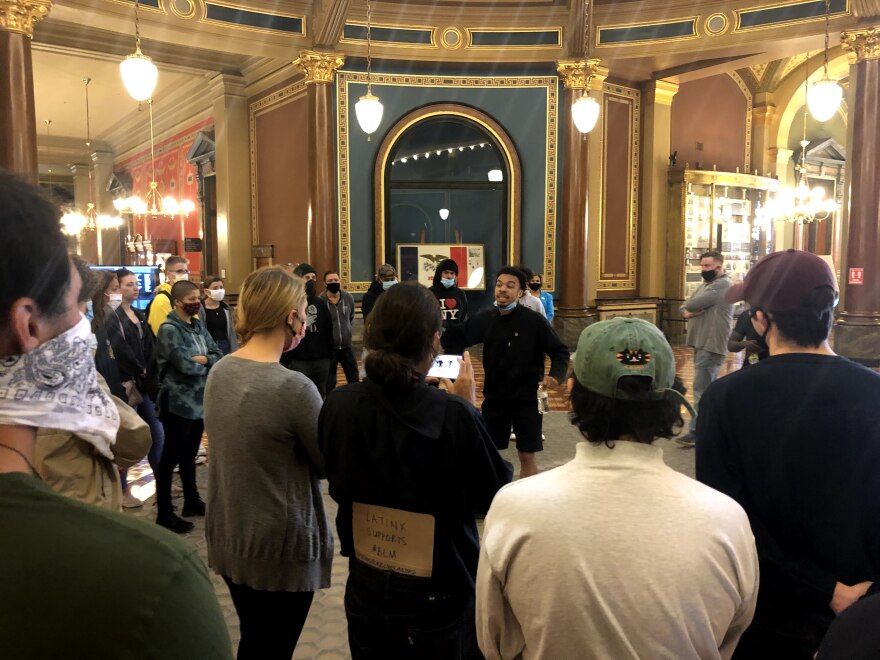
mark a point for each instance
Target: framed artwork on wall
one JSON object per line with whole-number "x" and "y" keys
{"x": 420, "y": 261}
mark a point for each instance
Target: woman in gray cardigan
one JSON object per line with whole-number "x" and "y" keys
{"x": 267, "y": 531}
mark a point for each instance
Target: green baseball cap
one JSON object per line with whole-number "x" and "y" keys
{"x": 610, "y": 350}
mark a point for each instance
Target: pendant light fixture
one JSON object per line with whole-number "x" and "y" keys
{"x": 369, "y": 109}
{"x": 824, "y": 96}
{"x": 139, "y": 74}
{"x": 585, "y": 111}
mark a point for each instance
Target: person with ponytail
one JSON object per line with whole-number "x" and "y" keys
{"x": 409, "y": 465}
{"x": 268, "y": 534}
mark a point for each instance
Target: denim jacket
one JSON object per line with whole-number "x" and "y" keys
{"x": 182, "y": 388}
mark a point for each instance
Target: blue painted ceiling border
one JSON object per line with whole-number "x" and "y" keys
{"x": 253, "y": 19}
{"x": 757, "y": 18}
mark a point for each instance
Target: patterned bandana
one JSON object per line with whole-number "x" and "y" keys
{"x": 56, "y": 387}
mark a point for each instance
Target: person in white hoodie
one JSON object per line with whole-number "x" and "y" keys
{"x": 616, "y": 555}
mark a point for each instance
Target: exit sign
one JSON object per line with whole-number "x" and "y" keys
{"x": 857, "y": 276}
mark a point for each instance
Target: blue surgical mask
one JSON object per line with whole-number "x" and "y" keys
{"x": 448, "y": 281}
{"x": 90, "y": 311}
{"x": 388, "y": 285}
{"x": 505, "y": 308}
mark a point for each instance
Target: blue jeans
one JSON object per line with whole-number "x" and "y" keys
{"x": 146, "y": 410}
{"x": 395, "y": 616}
{"x": 706, "y": 368}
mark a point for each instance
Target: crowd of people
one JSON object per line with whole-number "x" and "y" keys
{"x": 773, "y": 551}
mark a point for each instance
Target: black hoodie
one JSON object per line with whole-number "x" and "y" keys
{"x": 419, "y": 450}
{"x": 453, "y": 302}
{"x": 376, "y": 289}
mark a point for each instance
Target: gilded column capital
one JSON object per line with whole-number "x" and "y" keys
{"x": 578, "y": 74}
{"x": 319, "y": 67}
{"x": 864, "y": 44}
{"x": 21, "y": 15}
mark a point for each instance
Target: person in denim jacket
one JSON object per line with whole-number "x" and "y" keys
{"x": 186, "y": 354}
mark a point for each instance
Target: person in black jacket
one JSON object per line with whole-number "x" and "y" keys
{"x": 135, "y": 347}
{"x": 453, "y": 301}
{"x": 409, "y": 465}
{"x": 515, "y": 340}
{"x": 314, "y": 354}
{"x": 386, "y": 277}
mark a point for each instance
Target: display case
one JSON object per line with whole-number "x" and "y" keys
{"x": 710, "y": 210}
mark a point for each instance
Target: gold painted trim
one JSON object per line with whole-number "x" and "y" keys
{"x": 392, "y": 44}
{"x": 862, "y": 44}
{"x": 20, "y": 16}
{"x": 179, "y": 14}
{"x": 247, "y": 28}
{"x": 283, "y": 96}
{"x": 344, "y": 78}
{"x": 773, "y": 26}
{"x": 631, "y": 97}
{"x": 514, "y": 30}
{"x": 716, "y": 33}
{"x": 130, "y": 3}
{"x": 619, "y": 44}
{"x": 459, "y": 38}
{"x": 747, "y": 163}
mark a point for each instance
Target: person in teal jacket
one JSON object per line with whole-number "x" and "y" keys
{"x": 186, "y": 353}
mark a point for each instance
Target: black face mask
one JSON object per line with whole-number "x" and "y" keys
{"x": 708, "y": 275}
{"x": 310, "y": 288}
{"x": 535, "y": 286}
{"x": 333, "y": 287}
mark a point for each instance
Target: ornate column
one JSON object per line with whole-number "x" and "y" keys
{"x": 657, "y": 98}
{"x": 574, "y": 288}
{"x": 763, "y": 118}
{"x": 857, "y": 334}
{"x": 320, "y": 71}
{"x": 18, "y": 124}
{"x": 109, "y": 240}
{"x": 233, "y": 179}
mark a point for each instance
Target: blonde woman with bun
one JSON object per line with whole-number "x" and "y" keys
{"x": 267, "y": 531}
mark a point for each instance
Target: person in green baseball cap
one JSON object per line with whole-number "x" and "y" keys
{"x": 622, "y": 556}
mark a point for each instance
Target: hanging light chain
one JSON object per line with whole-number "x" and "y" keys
{"x": 827, "y": 20}
{"x": 369, "y": 48}
{"x": 588, "y": 16}
{"x": 152, "y": 146}
{"x": 137, "y": 29}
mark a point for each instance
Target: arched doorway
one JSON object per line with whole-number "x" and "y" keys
{"x": 448, "y": 174}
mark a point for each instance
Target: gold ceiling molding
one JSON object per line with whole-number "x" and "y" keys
{"x": 716, "y": 24}
{"x": 265, "y": 104}
{"x": 748, "y": 95}
{"x": 21, "y": 15}
{"x": 864, "y": 44}
{"x": 758, "y": 71}
{"x": 319, "y": 67}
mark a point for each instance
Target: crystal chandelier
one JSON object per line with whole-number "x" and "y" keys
{"x": 802, "y": 204}
{"x": 153, "y": 204}
{"x": 585, "y": 111}
{"x": 74, "y": 222}
{"x": 139, "y": 74}
{"x": 369, "y": 109}
{"x": 824, "y": 96}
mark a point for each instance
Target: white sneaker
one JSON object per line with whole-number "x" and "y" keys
{"x": 129, "y": 501}
{"x": 201, "y": 459}
{"x": 513, "y": 437}
{"x": 203, "y": 451}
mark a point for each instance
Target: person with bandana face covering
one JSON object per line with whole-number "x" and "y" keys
{"x": 453, "y": 301}
{"x": 217, "y": 316}
{"x": 709, "y": 319}
{"x": 268, "y": 534}
{"x": 186, "y": 354}
{"x": 314, "y": 353}
{"x": 408, "y": 460}
{"x": 75, "y": 580}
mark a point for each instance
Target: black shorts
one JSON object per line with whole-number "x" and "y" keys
{"x": 522, "y": 416}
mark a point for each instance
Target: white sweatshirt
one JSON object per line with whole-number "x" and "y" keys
{"x": 614, "y": 555}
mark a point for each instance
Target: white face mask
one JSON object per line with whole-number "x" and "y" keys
{"x": 114, "y": 300}
{"x": 217, "y": 294}
{"x": 56, "y": 386}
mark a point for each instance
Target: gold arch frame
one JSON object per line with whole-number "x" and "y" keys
{"x": 514, "y": 188}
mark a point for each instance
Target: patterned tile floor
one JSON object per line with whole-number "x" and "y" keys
{"x": 324, "y": 635}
